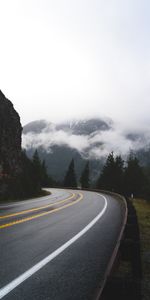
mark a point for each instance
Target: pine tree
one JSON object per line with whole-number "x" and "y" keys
{"x": 111, "y": 177}
{"x": 84, "y": 179}
{"x": 28, "y": 184}
{"x": 134, "y": 178}
{"x": 118, "y": 174}
{"x": 37, "y": 168}
{"x": 105, "y": 180}
{"x": 45, "y": 179}
{"x": 70, "y": 178}
{"x": 25, "y": 185}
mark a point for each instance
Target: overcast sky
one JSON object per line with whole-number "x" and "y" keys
{"x": 63, "y": 59}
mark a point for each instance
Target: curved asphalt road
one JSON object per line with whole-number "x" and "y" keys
{"x": 57, "y": 247}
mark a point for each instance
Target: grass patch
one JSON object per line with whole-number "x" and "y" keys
{"x": 44, "y": 193}
{"x": 124, "y": 270}
{"x": 143, "y": 213}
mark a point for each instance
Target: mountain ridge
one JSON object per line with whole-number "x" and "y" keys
{"x": 78, "y": 127}
{"x": 90, "y": 139}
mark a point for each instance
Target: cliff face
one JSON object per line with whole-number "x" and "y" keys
{"x": 10, "y": 139}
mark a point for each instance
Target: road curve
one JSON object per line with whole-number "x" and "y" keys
{"x": 57, "y": 247}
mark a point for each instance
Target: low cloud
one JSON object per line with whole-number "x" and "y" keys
{"x": 47, "y": 139}
{"x": 93, "y": 146}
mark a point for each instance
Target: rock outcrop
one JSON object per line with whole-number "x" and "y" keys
{"x": 10, "y": 142}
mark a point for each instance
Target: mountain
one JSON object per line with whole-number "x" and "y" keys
{"x": 57, "y": 162}
{"x": 85, "y": 127}
{"x": 80, "y": 127}
{"x": 90, "y": 139}
{"x": 59, "y": 143}
{"x": 35, "y": 127}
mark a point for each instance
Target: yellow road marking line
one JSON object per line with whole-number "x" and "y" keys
{"x": 36, "y": 208}
{"x": 42, "y": 214}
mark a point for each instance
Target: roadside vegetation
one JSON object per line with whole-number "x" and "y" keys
{"x": 124, "y": 177}
{"x": 131, "y": 277}
{"x": 29, "y": 182}
{"x": 143, "y": 213}
{"x": 33, "y": 177}
{"x": 128, "y": 177}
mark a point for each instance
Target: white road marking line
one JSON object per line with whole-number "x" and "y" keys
{"x": 16, "y": 282}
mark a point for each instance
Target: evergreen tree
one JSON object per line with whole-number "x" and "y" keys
{"x": 84, "y": 179}
{"x": 33, "y": 175}
{"x": 146, "y": 186}
{"x": 24, "y": 185}
{"x": 111, "y": 177}
{"x": 45, "y": 180}
{"x": 105, "y": 180}
{"x": 37, "y": 168}
{"x": 29, "y": 186}
{"x": 118, "y": 174}
{"x": 70, "y": 178}
{"x": 134, "y": 178}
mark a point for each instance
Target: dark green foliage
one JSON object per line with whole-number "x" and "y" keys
{"x": 146, "y": 187}
{"x": 84, "y": 179}
{"x": 60, "y": 157}
{"x": 105, "y": 181}
{"x": 46, "y": 181}
{"x": 34, "y": 175}
{"x": 129, "y": 180}
{"x": 41, "y": 176}
{"x": 118, "y": 174}
{"x": 28, "y": 183}
{"x": 70, "y": 178}
{"x": 37, "y": 167}
{"x": 111, "y": 177}
{"x": 134, "y": 178}
{"x": 23, "y": 185}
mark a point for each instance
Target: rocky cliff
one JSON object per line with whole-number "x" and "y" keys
{"x": 10, "y": 141}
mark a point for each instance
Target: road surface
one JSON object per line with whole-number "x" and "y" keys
{"x": 57, "y": 247}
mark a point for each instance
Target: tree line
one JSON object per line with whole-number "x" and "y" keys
{"x": 117, "y": 175}
{"x": 127, "y": 178}
{"x": 29, "y": 182}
